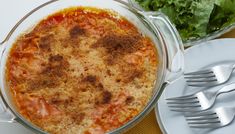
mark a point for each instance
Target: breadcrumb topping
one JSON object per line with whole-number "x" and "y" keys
{"x": 82, "y": 70}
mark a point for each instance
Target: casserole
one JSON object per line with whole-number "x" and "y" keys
{"x": 154, "y": 25}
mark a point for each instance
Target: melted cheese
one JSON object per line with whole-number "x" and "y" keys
{"x": 82, "y": 70}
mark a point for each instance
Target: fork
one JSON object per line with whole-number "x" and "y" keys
{"x": 199, "y": 101}
{"x": 216, "y": 118}
{"x": 210, "y": 77}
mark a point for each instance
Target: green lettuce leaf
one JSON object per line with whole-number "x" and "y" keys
{"x": 201, "y": 15}
{"x": 228, "y": 6}
{"x": 145, "y": 4}
{"x": 194, "y": 18}
{"x": 223, "y": 15}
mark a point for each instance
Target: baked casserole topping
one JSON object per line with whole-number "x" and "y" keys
{"x": 82, "y": 70}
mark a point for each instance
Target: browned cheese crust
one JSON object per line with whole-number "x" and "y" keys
{"x": 82, "y": 70}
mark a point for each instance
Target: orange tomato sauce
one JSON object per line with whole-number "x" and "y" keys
{"x": 82, "y": 70}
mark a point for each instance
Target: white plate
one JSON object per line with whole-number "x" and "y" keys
{"x": 201, "y": 56}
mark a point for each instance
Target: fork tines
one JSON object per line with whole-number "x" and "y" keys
{"x": 208, "y": 119}
{"x": 189, "y": 103}
{"x": 201, "y": 78}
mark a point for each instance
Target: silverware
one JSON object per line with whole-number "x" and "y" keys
{"x": 210, "y": 77}
{"x": 216, "y": 118}
{"x": 199, "y": 101}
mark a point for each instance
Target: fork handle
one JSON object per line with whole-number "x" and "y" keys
{"x": 226, "y": 89}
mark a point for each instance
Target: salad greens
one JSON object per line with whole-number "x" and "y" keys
{"x": 194, "y": 18}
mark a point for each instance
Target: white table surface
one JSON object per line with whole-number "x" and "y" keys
{"x": 12, "y": 11}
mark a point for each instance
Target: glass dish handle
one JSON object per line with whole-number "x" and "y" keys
{"x": 5, "y": 114}
{"x": 172, "y": 43}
